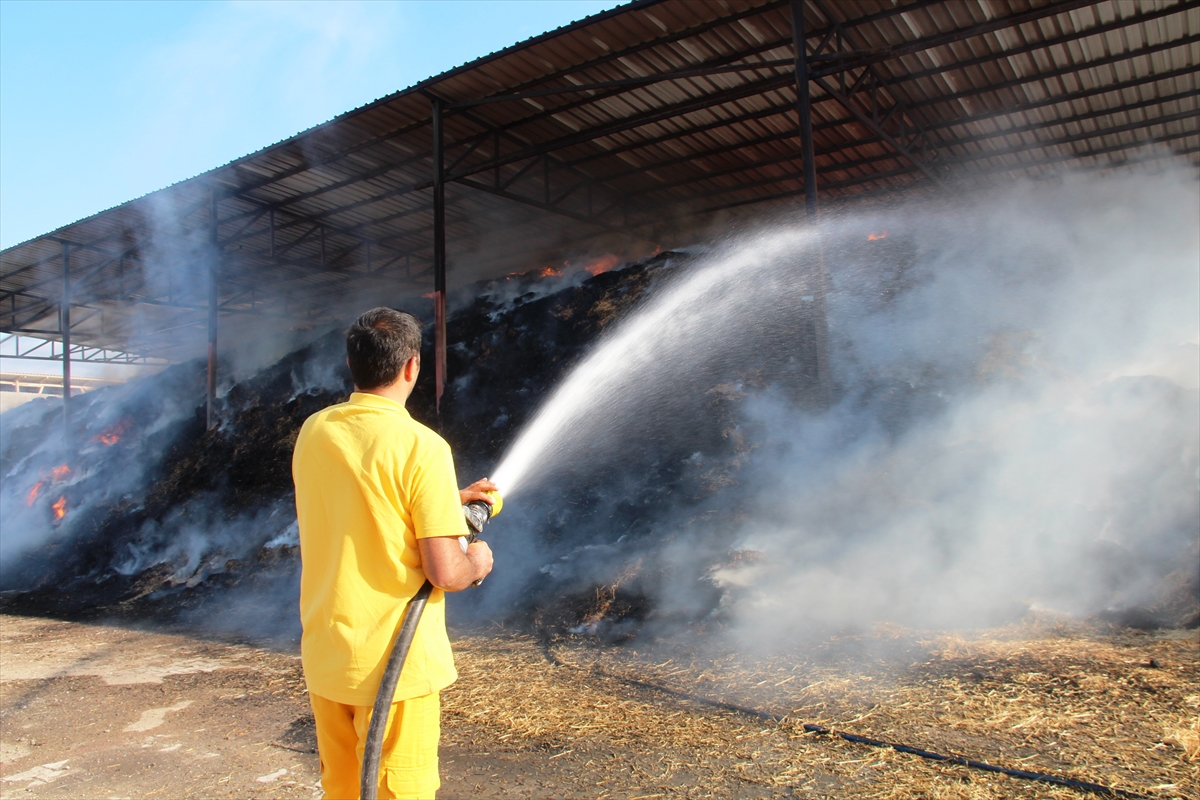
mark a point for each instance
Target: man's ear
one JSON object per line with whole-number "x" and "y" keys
{"x": 411, "y": 368}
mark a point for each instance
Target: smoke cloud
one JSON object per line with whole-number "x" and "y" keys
{"x": 1014, "y": 425}
{"x": 1018, "y": 425}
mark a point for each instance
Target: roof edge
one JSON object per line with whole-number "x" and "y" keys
{"x": 634, "y": 5}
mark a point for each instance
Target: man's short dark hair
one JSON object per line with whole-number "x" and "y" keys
{"x": 379, "y": 344}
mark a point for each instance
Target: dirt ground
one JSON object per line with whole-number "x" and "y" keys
{"x": 107, "y": 711}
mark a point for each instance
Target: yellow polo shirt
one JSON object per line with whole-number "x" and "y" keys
{"x": 370, "y": 481}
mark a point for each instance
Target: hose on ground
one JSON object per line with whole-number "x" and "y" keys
{"x": 1086, "y": 786}
{"x": 369, "y": 782}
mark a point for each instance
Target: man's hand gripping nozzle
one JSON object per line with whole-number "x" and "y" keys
{"x": 477, "y": 513}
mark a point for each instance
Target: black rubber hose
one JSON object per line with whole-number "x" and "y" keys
{"x": 369, "y": 782}
{"x": 1086, "y": 786}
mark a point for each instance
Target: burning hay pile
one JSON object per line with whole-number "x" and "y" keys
{"x": 143, "y": 511}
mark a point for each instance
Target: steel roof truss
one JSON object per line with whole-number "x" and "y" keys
{"x": 877, "y": 55}
{"x": 1057, "y": 72}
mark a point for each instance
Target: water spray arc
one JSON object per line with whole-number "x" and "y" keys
{"x": 713, "y": 314}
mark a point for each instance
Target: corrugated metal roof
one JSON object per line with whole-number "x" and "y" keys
{"x": 689, "y": 110}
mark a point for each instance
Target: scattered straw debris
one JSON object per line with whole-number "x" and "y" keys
{"x": 1110, "y": 707}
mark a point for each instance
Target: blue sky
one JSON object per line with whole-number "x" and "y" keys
{"x": 101, "y": 102}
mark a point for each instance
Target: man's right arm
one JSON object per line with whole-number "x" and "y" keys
{"x": 450, "y": 569}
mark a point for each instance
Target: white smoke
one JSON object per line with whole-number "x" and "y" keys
{"x": 1014, "y": 426}
{"x": 1019, "y": 423}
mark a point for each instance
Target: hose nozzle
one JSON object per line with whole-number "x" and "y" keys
{"x": 478, "y": 512}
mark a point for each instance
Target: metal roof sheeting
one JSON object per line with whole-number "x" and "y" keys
{"x": 689, "y": 110}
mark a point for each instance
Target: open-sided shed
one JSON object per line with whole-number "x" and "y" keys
{"x": 634, "y": 125}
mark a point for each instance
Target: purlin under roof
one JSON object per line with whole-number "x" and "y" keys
{"x": 689, "y": 114}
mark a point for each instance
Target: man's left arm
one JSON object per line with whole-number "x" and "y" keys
{"x": 438, "y": 521}
{"x": 450, "y": 569}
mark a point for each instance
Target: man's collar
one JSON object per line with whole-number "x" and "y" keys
{"x": 375, "y": 401}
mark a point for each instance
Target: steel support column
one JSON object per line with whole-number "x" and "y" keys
{"x": 802, "y": 108}
{"x": 818, "y": 333}
{"x": 214, "y": 267}
{"x": 439, "y": 256}
{"x": 64, "y": 325}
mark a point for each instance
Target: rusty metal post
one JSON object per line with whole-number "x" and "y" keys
{"x": 803, "y": 108}
{"x": 819, "y": 276}
{"x": 439, "y": 256}
{"x": 214, "y": 266}
{"x": 64, "y": 327}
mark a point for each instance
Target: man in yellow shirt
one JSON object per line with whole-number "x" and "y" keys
{"x": 379, "y": 512}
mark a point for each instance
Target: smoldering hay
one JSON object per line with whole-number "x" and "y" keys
{"x": 1013, "y": 427}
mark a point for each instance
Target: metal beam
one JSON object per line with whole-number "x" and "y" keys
{"x": 64, "y": 327}
{"x": 1058, "y": 72}
{"x": 1077, "y": 155}
{"x": 636, "y": 121}
{"x": 439, "y": 258}
{"x": 350, "y": 232}
{"x": 1119, "y": 23}
{"x": 214, "y": 267}
{"x": 1072, "y": 120}
{"x": 80, "y": 353}
{"x": 799, "y": 48}
{"x": 81, "y": 279}
{"x": 550, "y": 207}
{"x": 1054, "y": 100}
{"x": 549, "y": 161}
{"x": 770, "y": 111}
{"x": 878, "y": 55}
{"x": 908, "y": 131}
{"x": 417, "y": 186}
{"x": 767, "y": 162}
{"x": 624, "y": 83}
{"x": 49, "y": 305}
{"x": 990, "y": 154}
{"x": 1078, "y": 137}
{"x": 908, "y": 171}
{"x": 695, "y": 157}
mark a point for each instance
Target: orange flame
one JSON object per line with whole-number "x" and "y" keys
{"x": 875, "y": 237}
{"x": 60, "y": 508}
{"x": 603, "y": 264}
{"x": 550, "y": 272}
{"x": 56, "y": 475}
{"x": 112, "y": 434}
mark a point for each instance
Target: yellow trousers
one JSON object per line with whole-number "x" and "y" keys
{"x": 409, "y": 764}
